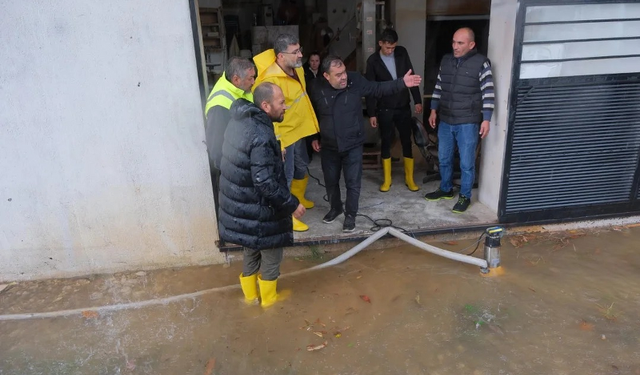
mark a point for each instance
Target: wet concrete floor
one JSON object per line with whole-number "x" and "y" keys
{"x": 568, "y": 303}
{"x": 404, "y": 208}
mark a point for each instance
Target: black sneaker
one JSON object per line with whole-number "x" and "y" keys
{"x": 331, "y": 215}
{"x": 349, "y": 223}
{"x": 462, "y": 204}
{"x": 439, "y": 194}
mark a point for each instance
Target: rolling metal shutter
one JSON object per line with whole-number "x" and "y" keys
{"x": 573, "y": 147}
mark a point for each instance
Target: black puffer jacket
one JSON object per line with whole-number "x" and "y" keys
{"x": 339, "y": 112}
{"x": 255, "y": 202}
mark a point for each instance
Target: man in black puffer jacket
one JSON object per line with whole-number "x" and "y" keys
{"x": 255, "y": 203}
{"x": 337, "y": 101}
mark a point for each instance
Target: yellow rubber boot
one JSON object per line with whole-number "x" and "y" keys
{"x": 268, "y": 293}
{"x": 408, "y": 174}
{"x": 386, "y": 170}
{"x": 298, "y": 188}
{"x": 299, "y": 226}
{"x": 250, "y": 289}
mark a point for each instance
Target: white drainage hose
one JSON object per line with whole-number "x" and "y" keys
{"x": 166, "y": 300}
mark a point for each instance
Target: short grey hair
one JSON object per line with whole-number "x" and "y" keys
{"x": 237, "y": 66}
{"x": 283, "y": 41}
{"x": 330, "y": 61}
{"x": 263, "y": 93}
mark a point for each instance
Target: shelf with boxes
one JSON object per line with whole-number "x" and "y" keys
{"x": 212, "y": 25}
{"x": 214, "y": 42}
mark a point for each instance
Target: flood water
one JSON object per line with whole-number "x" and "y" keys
{"x": 568, "y": 303}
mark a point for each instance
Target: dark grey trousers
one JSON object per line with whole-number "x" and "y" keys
{"x": 267, "y": 261}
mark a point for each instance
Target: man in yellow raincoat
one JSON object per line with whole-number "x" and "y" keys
{"x": 282, "y": 66}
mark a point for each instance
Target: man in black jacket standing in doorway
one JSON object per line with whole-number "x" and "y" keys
{"x": 389, "y": 63}
{"x": 337, "y": 101}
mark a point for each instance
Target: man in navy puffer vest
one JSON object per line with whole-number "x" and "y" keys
{"x": 464, "y": 100}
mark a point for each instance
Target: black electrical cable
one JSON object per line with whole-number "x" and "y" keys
{"x": 384, "y": 223}
{"x": 377, "y": 223}
{"x": 477, "y": 243}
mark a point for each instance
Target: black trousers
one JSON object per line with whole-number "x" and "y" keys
{"x": 401, "y": 118}
{"x": 333, "y": 163}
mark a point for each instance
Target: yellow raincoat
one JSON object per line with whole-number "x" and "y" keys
{"x": 299, "y": 120}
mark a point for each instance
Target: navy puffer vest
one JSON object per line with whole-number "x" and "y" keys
{"x": 461, "y": 100}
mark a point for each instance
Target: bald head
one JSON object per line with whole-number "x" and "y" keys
{"x": 463, "y": 42}
{"x": 466, "y": 31}
{"x": 270, "y": 99}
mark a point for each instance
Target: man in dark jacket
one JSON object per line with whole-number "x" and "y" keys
{"x": 389, "y": 63}
{"x": 464, "y": 100}
{"x": 255, "y": 203}
{"x": 337, "y": 100}
{"x": 234, "y": 84}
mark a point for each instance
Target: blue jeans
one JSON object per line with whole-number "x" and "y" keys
{"x": 466, "y": 137}
{"x": 296, "y": 160}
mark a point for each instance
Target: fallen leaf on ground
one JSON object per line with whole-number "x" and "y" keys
{"x": 365, "y": 298}
{"x": 586, "y": 326}
{"x": 90, "y": 314}
{"x": 496, "y": 329}
{"x": 210, "y": 365}
{"x": 312, "y": 348}
{"x": 531, "y": 262}
{"x": 417, "y": 299}
{"x": 350, "y": 310}
{"x": 318, "y": 333}
{"x": 607, "y": 312}
{"x": 533, "y": 290}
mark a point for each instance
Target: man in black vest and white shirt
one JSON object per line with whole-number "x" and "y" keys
{"x": 464, "y": 100}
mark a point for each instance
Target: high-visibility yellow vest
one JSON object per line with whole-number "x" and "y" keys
{"x": 224, "y": 93}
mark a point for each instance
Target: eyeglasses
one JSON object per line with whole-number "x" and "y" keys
{"x": 296, "y": 52}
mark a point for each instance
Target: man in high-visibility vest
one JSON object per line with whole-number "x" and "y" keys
{"x": 282, "y": 66}
{"x": 235, "y": 83}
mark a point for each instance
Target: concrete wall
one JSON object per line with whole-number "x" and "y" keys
{"x": 411, "y": 23}
{"x": 501, "y": 38}
{"x": 103, "y": 163}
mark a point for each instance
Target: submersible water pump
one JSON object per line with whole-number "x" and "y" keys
{"x": 492, "y": 247}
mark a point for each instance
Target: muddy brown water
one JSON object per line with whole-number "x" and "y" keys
{"x": 568, "y": 303}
